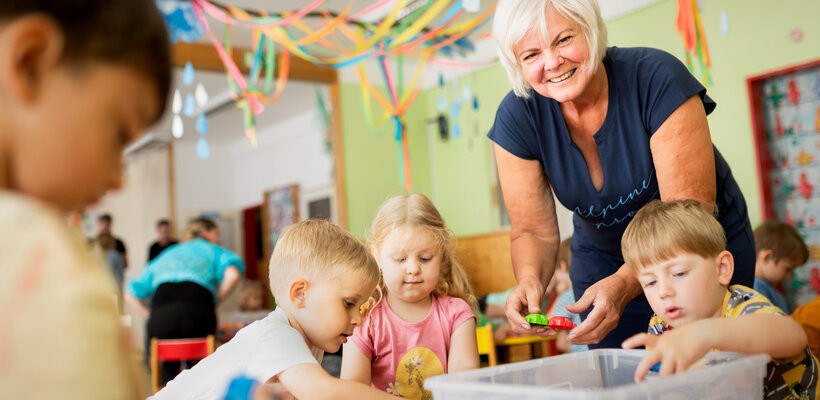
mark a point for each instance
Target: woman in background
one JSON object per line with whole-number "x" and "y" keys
{"x": 184, "y": 285}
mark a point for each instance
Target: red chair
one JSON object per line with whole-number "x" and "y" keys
{"x": 177, "y": 350}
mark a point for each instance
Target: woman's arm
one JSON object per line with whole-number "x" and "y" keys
{"x": 136, "y": 304}
{"x": 683, "y": 154}
{"x": 463, "y": 348}
{"x": 534, "y": 235}
{"x": 229, "y": 280}
{"x": 355, "y": 366}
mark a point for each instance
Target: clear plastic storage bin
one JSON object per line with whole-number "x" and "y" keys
{"x": 605, "y": 374}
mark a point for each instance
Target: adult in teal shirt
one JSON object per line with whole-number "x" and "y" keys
{"x": 184, "y": 284}
{"x": 606, "y": 130}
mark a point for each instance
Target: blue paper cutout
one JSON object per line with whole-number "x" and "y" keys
{"x": 188, "y": 74}
{"x": 203, "y": 151}
{"x": 190, "y": 105}
{"x": 181, "y": 20}
{"x": 201, "y": 124}
{"x": 441, "y": 103}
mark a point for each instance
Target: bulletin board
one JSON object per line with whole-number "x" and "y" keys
{"x": 785, "y": 109}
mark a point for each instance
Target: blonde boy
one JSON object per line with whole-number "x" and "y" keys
{"x": 678, "y": 252}
{"x": 320, "y": 275}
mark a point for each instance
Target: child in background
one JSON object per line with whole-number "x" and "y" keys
{"x": 780, "y": 249}
{"x": 106, "y": 246}
{"x": 565, "y": 297}
{"x": 808, "y": 315}
{"x": 421, "y": 323}
{"x": 80, "y": 81}
{"x": 678, "y": 251}
{"x": 320, "y": 275}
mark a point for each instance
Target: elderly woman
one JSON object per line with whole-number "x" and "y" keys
{"x": 606, "y": 129}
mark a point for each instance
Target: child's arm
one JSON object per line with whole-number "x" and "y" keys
{"x": 355, "y": 366}
{"x": 776, "y": 335}
{"x": 310, "y": 381}
{"x": 463, "y": 348}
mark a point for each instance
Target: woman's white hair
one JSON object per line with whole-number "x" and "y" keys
{"x": 514, "y": 19}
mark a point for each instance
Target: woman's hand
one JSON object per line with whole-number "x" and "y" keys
{"x": 526, "y": 299}
{"x": 608, "y": 297}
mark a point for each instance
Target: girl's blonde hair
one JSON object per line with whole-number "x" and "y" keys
{"x": 662, "y": 230}
{"x": 197, "y": 226}
{"x": 417, "y": 210}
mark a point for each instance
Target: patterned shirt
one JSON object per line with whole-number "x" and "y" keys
{"x": 786, "y": 378}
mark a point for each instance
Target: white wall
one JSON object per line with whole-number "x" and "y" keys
{"x": 292, "y": 151}
{"x": 237, "y": 175}
{"x": 135, "y": 209}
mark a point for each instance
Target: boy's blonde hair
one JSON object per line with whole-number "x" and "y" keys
{"x": 662, "y": 230}
{"x": 782, "y": 240}
{"x": 417, "y": 210}
{"x": 319, "y": 250}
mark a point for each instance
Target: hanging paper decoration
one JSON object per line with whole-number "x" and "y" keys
{"x": 188, "y": 74}
{"x": 203, "y": 150}
{"x": 415, "y": 28}
{"x": 190, "y": 105}
{"x": 176, "y": 103}
{"x": 201, "y": 95}
{"x": 201, "y": 123}
{"x": 176, "y": 127}
{"x": 182, "y": 22}
{"x": 724, "y": 23}
{"x": 690, "y": 27}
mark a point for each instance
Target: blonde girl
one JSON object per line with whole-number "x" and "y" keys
{"x": 421, "y": 319}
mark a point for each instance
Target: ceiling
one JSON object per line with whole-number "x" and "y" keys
{"x": 226, "y": 124}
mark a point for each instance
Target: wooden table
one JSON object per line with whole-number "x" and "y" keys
{"x": 536, "y": 346}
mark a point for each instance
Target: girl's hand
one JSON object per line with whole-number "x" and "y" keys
{"x": 526, "y": 299}
{"x": 676, "y": 350}
{"x": 608, "y": 297}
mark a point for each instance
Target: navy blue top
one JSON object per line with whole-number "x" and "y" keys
{"x": 645, "y": 87}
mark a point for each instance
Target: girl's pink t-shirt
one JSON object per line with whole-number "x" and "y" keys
{"x": 403, "y": 354}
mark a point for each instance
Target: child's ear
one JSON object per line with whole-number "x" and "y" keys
{"x": 30, "y": 47}
{"x": 297, "y": 291}
{"x": 725, "y": 267}
{"x": 765, "y": 256}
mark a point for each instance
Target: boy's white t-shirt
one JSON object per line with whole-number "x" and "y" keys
{"x": 260, "y": 350}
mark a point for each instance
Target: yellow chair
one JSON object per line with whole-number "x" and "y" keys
{"x": 486, "y": 343}
{"x": 177, "y": 350}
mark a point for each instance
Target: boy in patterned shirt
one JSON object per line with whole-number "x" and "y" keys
{"x": 678, "y": 252}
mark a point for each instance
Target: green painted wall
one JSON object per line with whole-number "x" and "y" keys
{"x": 371, "y": 159}
{"x": 464, "y": 182}
{"x": 462, "y": 169}
{"x": 758, "y": 41}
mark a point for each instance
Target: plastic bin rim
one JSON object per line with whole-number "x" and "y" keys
{"x": 446, "y": 382}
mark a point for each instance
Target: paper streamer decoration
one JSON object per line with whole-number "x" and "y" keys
{"x": 690, "y": 27}
{"x": 337, "y": 40}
